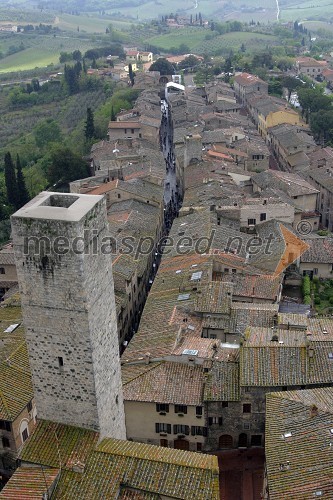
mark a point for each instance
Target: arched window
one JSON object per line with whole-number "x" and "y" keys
{"x": 242, "y": 440}
{"x": 24, "y": 430}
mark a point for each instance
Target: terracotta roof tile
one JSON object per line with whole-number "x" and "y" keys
{"x": 298, "y": 444}
{"x": 112, "y": 465}
{"x": 168, "y": 382}
{"x": 30, "y": 483}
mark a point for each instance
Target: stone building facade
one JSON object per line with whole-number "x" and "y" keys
{"x": 69, "y": 311}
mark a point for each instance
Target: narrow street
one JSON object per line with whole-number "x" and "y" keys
{"x": 171, "y": 195}
{"x": 172, "y": 201}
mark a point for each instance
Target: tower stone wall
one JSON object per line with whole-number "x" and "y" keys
{"x": 65, "y": 276}
{"x": 193, "y": 149}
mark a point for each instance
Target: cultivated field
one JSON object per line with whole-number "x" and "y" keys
{"x": 42, "y": 51}
{"x": 242, "y": 10}
{"x": 314, "y": 26}
{"x": 233, "y": 41}
{"x": 195, "y": 39}
{"x": 307, "y": 10}
{"x": 192, "y": 37}
{"x": 88, "y": 23}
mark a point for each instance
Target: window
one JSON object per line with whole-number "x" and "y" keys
{"x": 163, "y": 428}
{"x": 180, "y": 409}
{"x": 29, "y": 406}
{"x": 198, "y": 431}
{"x": 226, "y": 270}
{"x": 164, "y": 443}
{"x": 162, "y": 407}
{"x": 215, "y": 420}
{"x": 5, "y": 425}
{"x": 5, "y": 442}
{"x": 198, "y": 410}
{"x": 251, "y": 222}
{"x": 315, "y": 270}
{"x": 225, "y": 404}
{"x": 118, "y": 195}
{"x": 132, "y": 130}
{"x": 262, "y": 217}
{"x": 2, "y": 270}
{"x": 247, "y": 408}
{"x": 60, "y": 361}
{"x": 181, "y": 429}
{"x": 199, "y": 446}
{"x": 256, "y": 440}
{"x": 25, "y": 435}
{"x": 234, "y": 271}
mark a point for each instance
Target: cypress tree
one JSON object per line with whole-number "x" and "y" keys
{"x": 23, "y": 196}
{"x": 131, "y": 74}
{"x": 90, "y": 127}
{"x": 113, "y": 115}
{"x": 10, "y": 180}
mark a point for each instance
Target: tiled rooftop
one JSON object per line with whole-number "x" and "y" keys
{"x": 109, "y": 466}
{"x": 245, "y": 79}
{"x": 292, "y": 184}
{"x": 222, "y": 383}
{"x": 30, "y": 483}
{"x": 320, "y": 251}
{"x": 15, "y": 380}
{"x": 298, "y": 446}
{"x": 167, "y": 382}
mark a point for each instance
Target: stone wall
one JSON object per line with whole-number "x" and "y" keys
{"x": 69, "y": 312}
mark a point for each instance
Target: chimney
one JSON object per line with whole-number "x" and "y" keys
{"x": 313, "y": 411}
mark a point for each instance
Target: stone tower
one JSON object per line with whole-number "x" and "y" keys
{"x": 65, "y": 276}
{"x": 193, "y": 149}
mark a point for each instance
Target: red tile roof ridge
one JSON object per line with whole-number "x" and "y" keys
{"x": 104, "y": 188}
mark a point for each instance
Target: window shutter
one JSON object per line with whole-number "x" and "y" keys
{"x": 175, "y": 430}
{"x": 187, "y": 430}
{"x": 220, "y": 420}
{"x": 157, "y": 427}
{"x": 168, "y": 428}
{"x": 193, "y": 430}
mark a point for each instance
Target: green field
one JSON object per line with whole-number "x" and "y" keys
{"x": 192, "y": 37}
{"x": 242, "y": 10}
{"x": 43, "y": 50}
{"x": 310, "y": 9}
{"x": 233, "y": 41}
{"x": 195, "y": 39}
{"x": 88, "y": 23}
{"x": 314, "y": 26}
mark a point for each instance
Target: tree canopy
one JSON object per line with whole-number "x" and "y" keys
{"x": 65, "y": 166}
{"x": 46, "y": 132}
{"x": 163, "y": 66}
